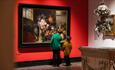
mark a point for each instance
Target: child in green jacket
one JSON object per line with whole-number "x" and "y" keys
{"x": 56, "y": 45}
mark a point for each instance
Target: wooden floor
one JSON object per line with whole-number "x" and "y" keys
{"x": 74, "y": 66}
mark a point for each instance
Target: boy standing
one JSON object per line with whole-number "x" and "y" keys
{"x": 56, "y": 45}
{"x": 67, "y": 50}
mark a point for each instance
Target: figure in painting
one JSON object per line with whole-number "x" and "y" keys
{"x": 42, "y": 27}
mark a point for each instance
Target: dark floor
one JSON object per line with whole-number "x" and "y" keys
{"x": 74, "y": 66}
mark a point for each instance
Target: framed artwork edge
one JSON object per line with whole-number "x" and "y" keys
{"x": 20, "y": 28}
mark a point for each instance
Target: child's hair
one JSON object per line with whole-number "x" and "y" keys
{"x": 68, "y": 38}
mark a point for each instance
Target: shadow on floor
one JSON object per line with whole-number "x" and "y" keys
{"x": 74, "y": 66}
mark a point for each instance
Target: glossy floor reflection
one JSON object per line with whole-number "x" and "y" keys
{"x": 74, "y": 66}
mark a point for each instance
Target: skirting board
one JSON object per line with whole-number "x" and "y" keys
{"x": 42, "y": 62}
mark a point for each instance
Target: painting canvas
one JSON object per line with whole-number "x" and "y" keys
{"x": 111, "y": 34}
{"x": 37, "y": 24}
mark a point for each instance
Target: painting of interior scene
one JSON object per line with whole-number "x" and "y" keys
{"x": 38, "y": 25}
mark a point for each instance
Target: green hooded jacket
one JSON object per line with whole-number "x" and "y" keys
{"x": 55, "y": 41}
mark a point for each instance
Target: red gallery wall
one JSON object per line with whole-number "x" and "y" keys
{"x": 78, "y": 31}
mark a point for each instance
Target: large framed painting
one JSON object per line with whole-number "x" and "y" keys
{"x": 37, "y": 24}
